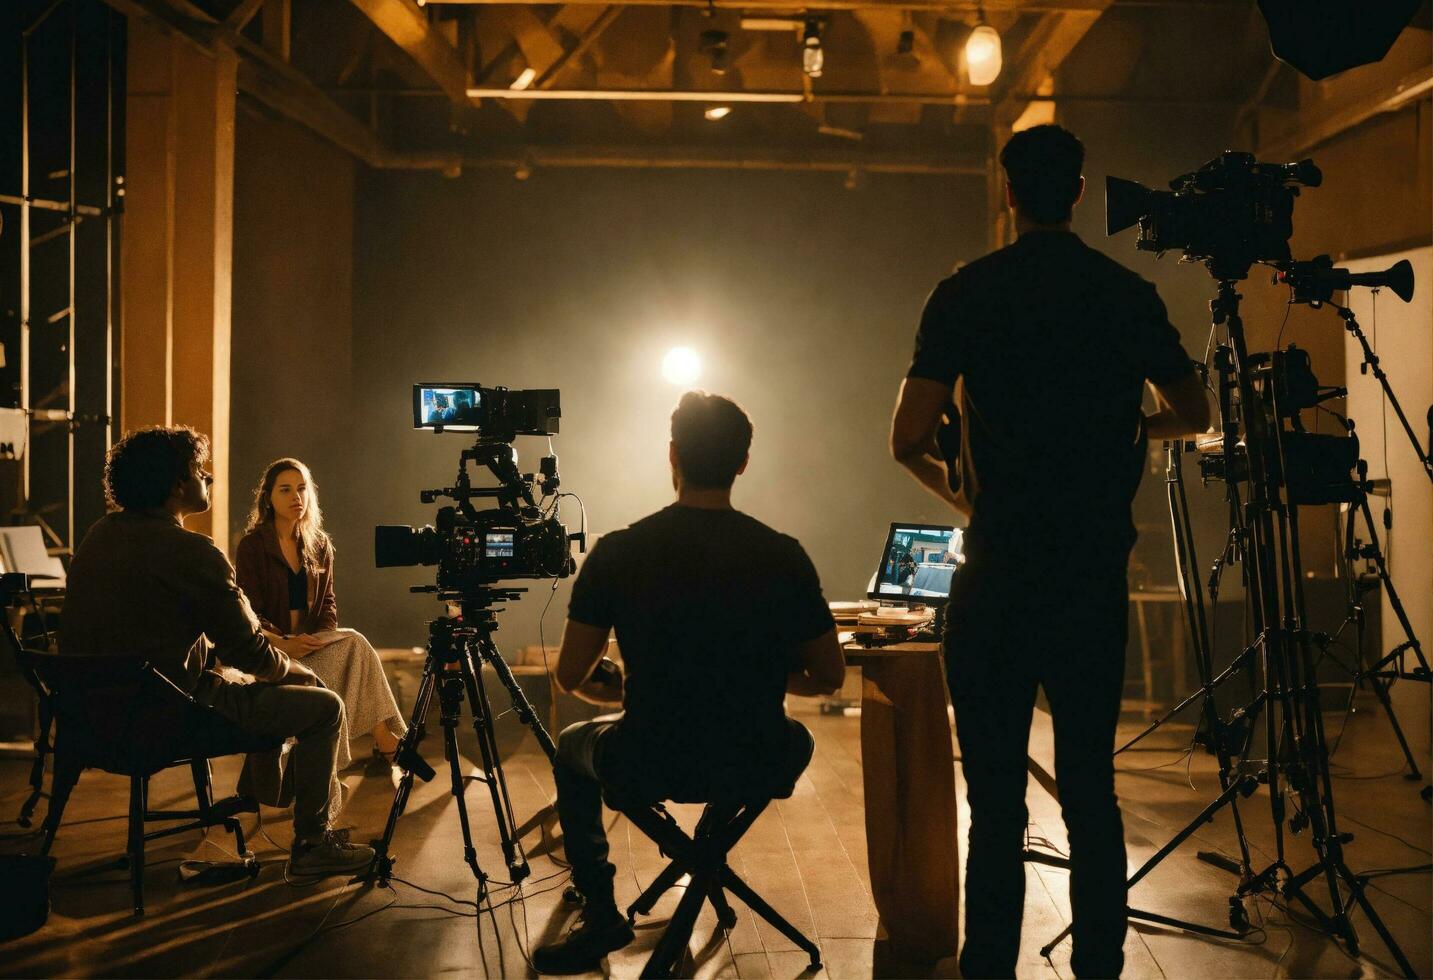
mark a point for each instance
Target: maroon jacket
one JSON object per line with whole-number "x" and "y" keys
{"x": 263, "y": 574}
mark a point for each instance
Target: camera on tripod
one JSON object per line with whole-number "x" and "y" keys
{"x": 474, "y": 548}
{"x": 1230, "y": 213}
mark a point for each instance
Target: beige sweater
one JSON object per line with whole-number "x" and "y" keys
{"x": 142, "y": 586}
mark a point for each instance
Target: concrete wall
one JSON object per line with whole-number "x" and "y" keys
{"x": 292, "y": 311}
{"x": 802, "y": 296}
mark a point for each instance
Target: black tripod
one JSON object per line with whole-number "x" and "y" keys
{"x": 458, "y": 647}
{"x": 1297, "y": 749}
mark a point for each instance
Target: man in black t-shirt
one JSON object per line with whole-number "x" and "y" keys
{"x": 1041, "y": 351}
{"x": 718, "y": 617}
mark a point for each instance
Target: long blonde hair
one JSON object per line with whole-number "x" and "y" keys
{"x": 314, "y": 540}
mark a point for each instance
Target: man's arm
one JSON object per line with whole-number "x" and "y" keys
{"x": 582, "y": 648}
{"x": 1183, "y": 409}
{"x": 822, "y": 670}
{"x": 229, "y": 622}
{"x": 919, "y": 408}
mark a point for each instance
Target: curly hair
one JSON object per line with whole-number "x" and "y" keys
{"x": 142, "y": 469}
{"x": 1043, "y": 165}
{"x": 313, "y": 539}
{"x": 712, "y": 435}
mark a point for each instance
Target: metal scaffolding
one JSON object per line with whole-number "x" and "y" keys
{"x": 60, "y": 190}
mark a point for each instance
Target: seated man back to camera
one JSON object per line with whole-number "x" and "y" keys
{"x": 718, "y": 617}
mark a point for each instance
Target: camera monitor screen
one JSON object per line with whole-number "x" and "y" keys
{"x": 447, "y": 406}
{"x": 917, "y": 563}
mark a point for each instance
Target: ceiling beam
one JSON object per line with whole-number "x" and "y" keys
{"x": 265, "y": 78}
{"x": 789, "y": 7}
{"x": 524, "y": 160}
{"x": 769, "y": 97}
{"x": 1311, "y": 128}
{"x": 407, "y": 26}
{"x": 1037, "y": 58}
{"x": 584, "y": 44}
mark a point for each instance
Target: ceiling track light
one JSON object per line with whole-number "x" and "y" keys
{"x": 813, "y": 59}
{"x": 714, "y": 44}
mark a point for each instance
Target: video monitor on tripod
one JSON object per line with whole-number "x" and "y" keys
{"x": 917, "y": 564}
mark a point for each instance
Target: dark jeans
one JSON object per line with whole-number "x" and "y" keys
{"x": 590, "y": 761}
{"x": 1014, "y": 625}
{"x": 312, "y": 715}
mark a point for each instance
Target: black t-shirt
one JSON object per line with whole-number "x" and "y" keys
{"x": 1050, "y": 342}
{"x": 709, "y": 607}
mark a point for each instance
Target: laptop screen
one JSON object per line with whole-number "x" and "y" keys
{"x": 917, "y": 563}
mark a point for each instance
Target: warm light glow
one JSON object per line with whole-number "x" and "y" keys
{"x": 718, "y": 112}
{"x": 982, "y": 55}
{"x": 681, "y": 366}
{"x": 523, "y": 81}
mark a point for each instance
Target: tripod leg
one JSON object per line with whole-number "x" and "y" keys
{"x": 1357, "y": 894}
{"x": 450, "y": 694}
{"x": 1376, "y": 553}
{"x": 409, "y": 761}
{"x": 493, "y": 773}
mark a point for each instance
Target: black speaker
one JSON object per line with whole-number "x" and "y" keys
{"x": 1323, "y": 37}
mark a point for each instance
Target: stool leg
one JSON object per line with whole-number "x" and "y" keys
{"x": 664, "y": 959}
{"x": 673, "y": 871}
{"x": 757, "y": 904}
{"x": 138, "y": 804}
{"x": 726, "y": 918}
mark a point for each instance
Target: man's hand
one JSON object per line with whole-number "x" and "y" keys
{"x": 604, "y": 686}
{"x": 919, "y": 408}
{"x": 823, "y": 667}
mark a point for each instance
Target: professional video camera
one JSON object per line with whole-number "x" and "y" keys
{"x": 1230, "y": 213}
{"x": 473, "y": 548}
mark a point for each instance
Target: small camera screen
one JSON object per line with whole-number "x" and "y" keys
{"x": 448, "y": 406}
{"x": 918, "y": 563}
{"x": 498, "y": 544}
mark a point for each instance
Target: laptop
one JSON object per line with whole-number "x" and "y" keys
{"x": 917, "y": 564}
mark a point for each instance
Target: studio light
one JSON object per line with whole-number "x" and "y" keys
{"x": 812, "y": 57}
{"x": 681, "y": 366}
{"x": 982, "y": 55}
{"x": 717, "y": 112}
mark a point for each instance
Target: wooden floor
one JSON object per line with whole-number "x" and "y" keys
{"x": 806, "y": 855}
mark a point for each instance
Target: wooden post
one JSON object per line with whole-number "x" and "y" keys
{"x": 178, "y": 232}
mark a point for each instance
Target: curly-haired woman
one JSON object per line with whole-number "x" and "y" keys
{"x": 285, "y": 566}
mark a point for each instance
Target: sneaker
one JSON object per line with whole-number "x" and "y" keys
{"x": 331, "y": 854}
{"x": 602, "y": 931}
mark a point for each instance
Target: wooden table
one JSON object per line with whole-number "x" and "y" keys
{"x": 908, "y": 768}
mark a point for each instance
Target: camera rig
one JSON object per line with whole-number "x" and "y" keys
{"x": 475, "y": 550}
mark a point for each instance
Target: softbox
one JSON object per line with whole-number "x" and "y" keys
{"x": 1323, "y": 37}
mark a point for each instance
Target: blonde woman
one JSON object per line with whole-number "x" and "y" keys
{"x": 285, "y": 567}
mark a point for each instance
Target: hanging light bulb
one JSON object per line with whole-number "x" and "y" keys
{"x": 812, "y": 57}
{"x": 982, "y": 55}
